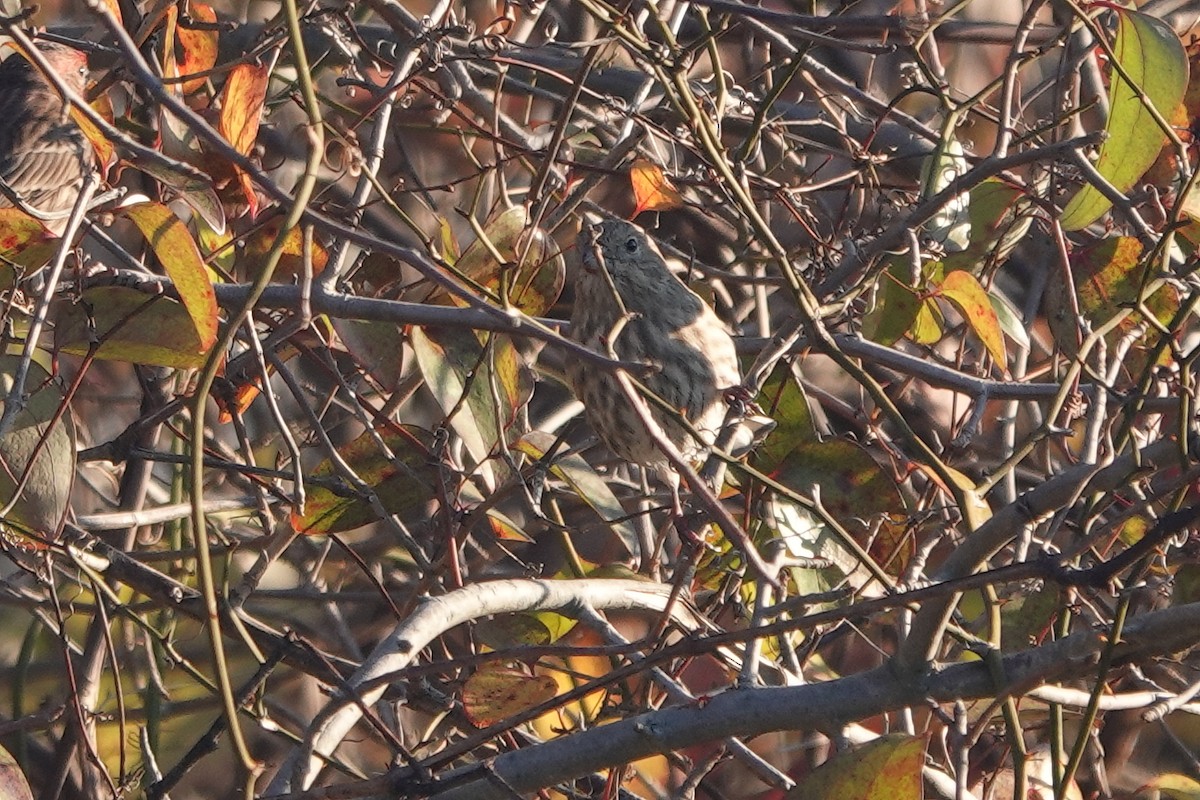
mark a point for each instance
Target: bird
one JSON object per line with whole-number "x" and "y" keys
{"x": 44, "y": 156}
{"x": 689, "y": 350}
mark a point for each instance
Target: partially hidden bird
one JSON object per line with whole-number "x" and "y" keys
{"x": 44, "y": 156}
{"x": 689, "y": 350}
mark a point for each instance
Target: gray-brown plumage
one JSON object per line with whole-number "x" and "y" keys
{"x": 44, "y": 156}
{"x": 670, "y": 327}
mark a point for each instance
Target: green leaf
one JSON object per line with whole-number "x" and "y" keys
{"x": 43, "y": 447}
{"x": 459, "y": 370}
{"x": 591, "y": 488}
{"x": 131, "y": 326}
{"x": 1154, "y": 59}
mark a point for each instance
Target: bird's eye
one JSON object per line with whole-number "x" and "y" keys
{"x": 631, "y": 245}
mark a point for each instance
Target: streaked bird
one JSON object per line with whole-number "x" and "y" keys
{"x": 669, "y": 327}
{"x": 44, "y": 156}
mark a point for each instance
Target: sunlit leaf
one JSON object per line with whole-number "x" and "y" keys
{"x": 1176, "y": 786}
{"x": 951, "y": 225}
{"x": 242, "y": 102}
{"x": 291, "y": 262}
{"x": 180, "y": 257}
{"x": 969, "y": 297}
{"x": 404, "y": 484}
{"x": 532, "y": 269}
{"x": 198, "y": 47}
{"x": 24, "y": 243}
{"x": 130, "y": 326}
{"x": 495, "y": 692}
{"x": 888, "y": 768}
{"x": 896, "y": 305}
{"x": 1154, "y": 59}
{"x": 106, "y": 153}
{"x": 652, "y": 191}
{"x": 1108, "y": 277}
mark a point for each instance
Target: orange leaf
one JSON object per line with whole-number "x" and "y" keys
{"x": 198, "y": 47}
{"x": 241, "y": 110}
{"x": 651, "y": 189}
{"x": 241, "y": 105}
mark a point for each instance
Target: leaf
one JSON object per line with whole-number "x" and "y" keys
{"x": 533, "y": 270}
{"x": 495, "y": 693}
{"x": 24, "y": 242}
{"x": 106, "y": 153}
{"x": 131, "y": 326}
{"x": 854, "y": 489}
{"x": 1154, "y": 59}
{"x": 968, "y": 296}
{"x": 652, "y": 191}
{"x": 242, "y": 102}
{"x": 951, "y": 224}
{"x": 896, "y": 306}
{"x": 1108, "y": 279}
{"x": 457, "y": 367}
{"x": 1176, "y": 786}
{"x": 404, "y": 485}
{"x": 583, "y": 480}
{"x": 198, "y": 46}
{"x": 13, "y": 785}
{"x": 40, "y": 445}
{"x": 888, "y": 768}
{"x": 291, "y": 263}
{"x": 377, "y": 347}
{"x": 180, "y": 257}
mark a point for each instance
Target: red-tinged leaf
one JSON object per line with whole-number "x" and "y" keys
{"x": 505, "y": 529}
{"x": 652, "y": 191}
{"x": 494, "y": 693}
{"x": 24, "y": 242}
{"x": 404, "y": 483}
{"x": 180, "y": 257}
{"x": 971, "y": 299}
{"x": 1109, "y": 278}
{"x": 131, "y": 326}
{"x": 236, "y": 404}
{"x": 198, "y": 48}
{"x": 291, "y": 263}
{"x": 888, "y": 768}
{"x": 1151, "y": 54}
